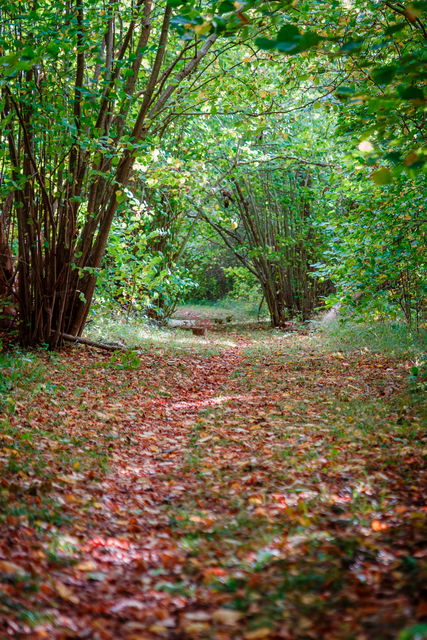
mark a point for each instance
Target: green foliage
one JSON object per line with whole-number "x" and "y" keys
{"x": 208, "y": 263}
{"x": 418, "y": 378}
{"x": 416, "y": 632}
{"x": 270, "y": 228}
{"x": 245, "y": 286}
{"x": 124, "y": 360}
{"x": 80, "y": 107}
{"x": 376, "y": 254}
{"x": 18, "y": 370}
{"x": 140, "y": 271}
{"x": 377, "y": 52}
{"x": 290, "y": 40}
{"x": 343, "y": 90}
{"x": 228, "y": 148}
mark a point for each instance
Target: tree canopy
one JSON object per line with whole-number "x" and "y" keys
{"x": 107, "y": 107}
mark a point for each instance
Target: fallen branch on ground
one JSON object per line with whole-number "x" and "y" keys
{"x": 109, "y": 346}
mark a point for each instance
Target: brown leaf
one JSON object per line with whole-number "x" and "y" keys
{"x": 197, "y": 616}
{"x": 87, "y": 565}
{"x": 66, "y": 593}
{"x": 229, "y": 617}
{"x": 256, "y": 634}
{"x": 127, "y": 603}
{"x": 9, "y": 568}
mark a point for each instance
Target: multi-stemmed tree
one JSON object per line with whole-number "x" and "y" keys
{"x": 270, "y": 228}
{"x": 85, "y": 85}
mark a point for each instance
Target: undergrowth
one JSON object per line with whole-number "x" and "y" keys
{"x": 241, "y": 310}
{"x": 384, "y": 337}
{"x": 18, "y": 370}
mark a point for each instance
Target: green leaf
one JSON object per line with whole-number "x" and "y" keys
{"x": 288, "y": 33}
{"x": 288, "y": 38}
{"x": 120, "y": 196}
{"x": 28, "y": 53}
{"x": 410, "y": 93}
{"x": 352, "y": 45}
{"x": 417, "y": 632}
{"x": 382, "y": 176}
{"x": 265, "y": 43}
{"x": 226, "y": 7}
{"x": 308, "y": 39}
{"x": 383, "y": 75}
{"x": 345, "y": 91}
{"x": 182, "y": 21}
{"x": 53, "y": 48}
{"x": 394, "y": 28}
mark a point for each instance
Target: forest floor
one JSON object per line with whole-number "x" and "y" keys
{"x": 247, "y": 486}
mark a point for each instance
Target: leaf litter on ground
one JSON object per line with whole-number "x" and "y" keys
{"x": 257, "y": 491}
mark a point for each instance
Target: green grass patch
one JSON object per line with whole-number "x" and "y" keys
{"x": 19, "y": 370}
{"x": 395, "y": 339}
{"x": 137, "y": 333}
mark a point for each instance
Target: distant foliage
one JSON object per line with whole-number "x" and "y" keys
{"x": 140, "y": 270}
{"x": 268, "y": 222}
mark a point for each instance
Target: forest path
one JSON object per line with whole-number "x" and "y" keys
{"x": 265, "y": 488}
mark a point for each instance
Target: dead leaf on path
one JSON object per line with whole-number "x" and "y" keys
{"x": 257, "y": 634}
{"x": 229, "y": 617}
{"x": 9, "y": 568}
{"x": 195, "y": 627}
{"x": 197, "y": 616}
{"x": 72, "y": 478}
{"x": 161, "y": 626}
{"x": 127, "y": 603}
{"x": 377, "y": 525}
{"x": 103, "y": 417}
{"x": 87, "y": 565}
{"x": 66, "y": 593}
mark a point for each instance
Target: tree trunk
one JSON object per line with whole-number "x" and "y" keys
{"x": 67, "y": 187}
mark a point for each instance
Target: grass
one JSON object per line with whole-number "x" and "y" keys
{"x": 383, "y": 337}
{"x": 394, "y": 339}
{"x": 18, "y": 370}
{"x": 136, "y": 332}
{"x": 241, "y": 311}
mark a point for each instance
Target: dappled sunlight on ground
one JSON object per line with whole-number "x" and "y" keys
{"x": 136, "y": 334}
{"x": 272, "y": 489}
{"x": 209, "y": 402}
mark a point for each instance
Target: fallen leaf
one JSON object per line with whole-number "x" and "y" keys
{"x": 229, "y": 617}
{"x": 127, "y": 603}
{"x": 195, "y": 627}
{"x": 9, "y": 568}
{"x": 377, "y": 525}
{"x": 262, "y": 632}
{"x": 66, "y": 593}
{"x": 197, "y": 615}
{"x": 87, "y": 565}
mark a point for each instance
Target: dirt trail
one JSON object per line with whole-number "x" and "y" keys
{"x": 132, "y": 533}
{"x": 127, "y": 529}
{"x": 229, "y": 496}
